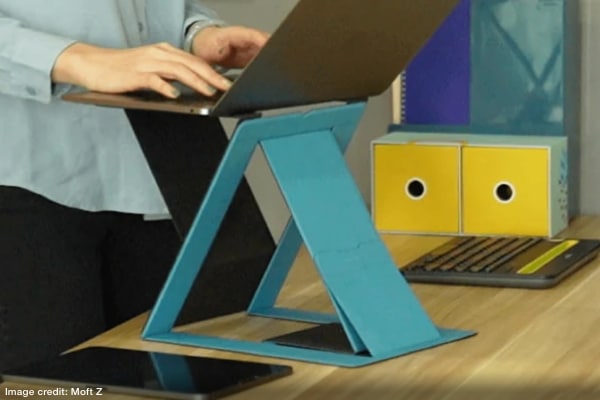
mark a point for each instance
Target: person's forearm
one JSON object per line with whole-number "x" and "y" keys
{"x": 70, "y": 64}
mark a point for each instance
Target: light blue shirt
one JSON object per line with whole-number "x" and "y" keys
{"x": 80, "y": 156}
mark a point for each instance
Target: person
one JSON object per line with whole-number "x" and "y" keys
{"x": 78, "y": 203}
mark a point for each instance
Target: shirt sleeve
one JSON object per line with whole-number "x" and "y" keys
{"x": 27, "y": 57}
{"x": 195, "y": 11}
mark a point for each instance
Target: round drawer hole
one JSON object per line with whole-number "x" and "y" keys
{"x": 416, "y": 188}
{"x": 505, "y": 192}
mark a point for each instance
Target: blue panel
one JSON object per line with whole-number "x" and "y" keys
{"x": 437, "y": 81}
{"x": 518, "y": 66}
{"x": 307, "y": 167}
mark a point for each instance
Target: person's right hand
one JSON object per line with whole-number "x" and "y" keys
{"x": 123, "y": 70}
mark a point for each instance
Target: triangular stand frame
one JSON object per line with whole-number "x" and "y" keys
{"x": 380, "y": 316}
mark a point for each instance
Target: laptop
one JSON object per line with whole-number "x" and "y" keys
{"x": 518, "y": 262}
{"x": 323, "y": 51}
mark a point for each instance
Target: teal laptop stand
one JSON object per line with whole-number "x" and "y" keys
{"x": 378, "y": 316}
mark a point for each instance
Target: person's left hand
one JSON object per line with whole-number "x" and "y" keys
{"x": 228, "y": 47}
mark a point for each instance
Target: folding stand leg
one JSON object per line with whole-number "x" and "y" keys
{"x": 379, "y": 314}
{"x": 184, "y": 164}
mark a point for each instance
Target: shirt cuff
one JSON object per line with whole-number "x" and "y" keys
{"x": 34, "y": 55}
{"x": 195, "y": 28}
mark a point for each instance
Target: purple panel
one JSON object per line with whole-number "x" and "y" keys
{"x": 438, "y": 79}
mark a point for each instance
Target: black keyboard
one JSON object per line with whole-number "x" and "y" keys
{"x": 502, "y": 261}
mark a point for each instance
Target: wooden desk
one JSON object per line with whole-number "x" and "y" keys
{"x": 532, "y": 344}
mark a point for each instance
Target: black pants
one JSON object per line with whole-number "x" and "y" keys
{"x": 67, "y": 275}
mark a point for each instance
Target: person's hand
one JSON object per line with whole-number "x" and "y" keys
{"x": 124, "y": 70}
{"x": 229, "y": 47}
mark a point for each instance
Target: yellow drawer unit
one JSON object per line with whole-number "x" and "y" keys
{"x": 469, "y": 184}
